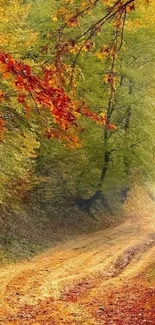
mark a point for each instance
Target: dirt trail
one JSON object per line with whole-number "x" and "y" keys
{"x": 69, "y": 284}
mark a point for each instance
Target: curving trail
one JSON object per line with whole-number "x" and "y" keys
{"x": 95, "y": 279}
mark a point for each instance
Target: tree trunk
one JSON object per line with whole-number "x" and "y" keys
{"x": 124, "y": 192}
{"x": 106, "y": 157}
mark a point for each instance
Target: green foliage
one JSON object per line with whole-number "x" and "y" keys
{"x": 77, "y": 172}
{"x": 17, "y": 161}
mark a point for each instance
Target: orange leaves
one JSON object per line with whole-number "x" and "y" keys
{"x": 21, "y": 98}
{"x": 131, "y": 304}
{"x": 70, "y": 19}
{"x": 84, "y": 4}
{"x": 89, "y": 45}
{"x": 130, "y": 7}
{"x": 1, "y": 96}
{"x": 106, "y": 52}
{"x": 70, "y": 139}
{"x": 71, "y": 47}
{"x": 6, "y": 75}
{"x": 73, "y": 22}
{"x": 111, "y": 127}
{"x": 46, "y": 94}
{"x": 2, "y": 125}
{"x": 43, "y": 94}
{"x": 84, "y": 110}
{"x": 110, "y": 78}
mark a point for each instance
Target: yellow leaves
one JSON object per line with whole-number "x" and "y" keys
{"x": 69, "y": 18}
{"x": 102, "y": 114}
{"x": 110, "y": 78}
{"x": 83, "y": 47}
{"x": 99, "y": 55}
{"x": 31, "y": 39}
{"x": 84, "y": 4}
{"x": 89, "y": 45}
{"x": 74, "y": 48}
{"x": 109, "y": 3}
{"x": 2, "y": 68}
{"x": 18, "y": 169}
{"x": 146, "y": 15}
{"x": 70, "y": 2}
{"x": 138, "y": 22}
{"x": 106, "y": 51}
{"x": 13, "y": 16}
{"x": 62, "y": 12}
{"x": 54, "y": 18}
{"x": 106, "y": 78}
{"x": 72, "y": 17}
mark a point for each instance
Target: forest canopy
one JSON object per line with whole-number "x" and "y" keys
{"x": 76, "y": 97}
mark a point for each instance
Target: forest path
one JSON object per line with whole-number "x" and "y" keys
{"x": 87, "y": 281}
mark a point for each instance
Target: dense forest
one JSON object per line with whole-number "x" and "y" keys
{"x": 77, "y": 113}
{"x": 77, "y": 106}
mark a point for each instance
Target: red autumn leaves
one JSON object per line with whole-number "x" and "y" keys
{"x": 37, "y": 91}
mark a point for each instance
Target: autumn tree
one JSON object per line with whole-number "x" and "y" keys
{"x": 109, "y": 163}
{"x": 74, "y": 70}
